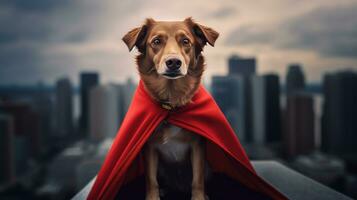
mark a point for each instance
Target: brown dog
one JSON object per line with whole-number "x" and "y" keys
{"x": 170, "y": 64}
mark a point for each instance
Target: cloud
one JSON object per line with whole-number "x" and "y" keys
{"x": 47, "y": 39}
{"x": 223, "y": 12}
{"x": 331, "y": 31}
{"x": 19, "y": 26}
{"x": 25, "y": 33}
{"x": 35, "y": 6}
{"x": 249, "y": 34}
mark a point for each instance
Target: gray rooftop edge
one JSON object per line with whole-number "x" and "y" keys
{"x": 289, "y": 182}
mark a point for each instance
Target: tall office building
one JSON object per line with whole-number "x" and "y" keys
{"x": 44, "y": 105}
{"x": 26, "y": 125}
{"x": 88, "y": 81}
{"x": 339, "y": 127}
{"x": 126, "y": 94}
{"x": 228, "y": 92}
{"x": 7, "y": 154}
{"x": 244, "y": 67}
{"x": 241, "y": 66}
{"x": 298, "y": 137}
{"x": 33, "y": 136}
{"x": 104, "y": 112}
{"x": 64, "y": 108}
{"x": 26, "y": 133}
{"x": 295, "y": 79}
{"x": 18, "y": 111}
{"x": 266, "y": 109}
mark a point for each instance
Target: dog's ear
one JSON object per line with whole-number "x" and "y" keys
{"x": 204, "y": 34}
{"x": 136, "y": 36}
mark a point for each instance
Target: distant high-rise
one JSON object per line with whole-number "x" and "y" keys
{"x": 88, "y": 81}
{"x": 241, "y": 66}
{"x": 126, "y": 93}
{"x": 298, "y": 137}
{"x": 295, "y": 79}
{"x": 266, "y": 109}
{"x": 7, "y": 154}
{"x": 34, "y": 134}
{"x": 104, "y": 112}
{"x": 64, "y": 108}
{"x": 26, "y": 124}
{"x": 44, "y": 106}
{"x": 26, "y": 132}
{"x": 228, "y": 91}
{"x": 244, "y": 67}
{"x": 339, "y": 127}
{"x": 19, "y": 113}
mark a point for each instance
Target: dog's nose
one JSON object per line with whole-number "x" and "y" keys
{"x": 173, "y": 64}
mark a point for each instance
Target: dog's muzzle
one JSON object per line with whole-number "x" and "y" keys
{"x": 173, "y": 67}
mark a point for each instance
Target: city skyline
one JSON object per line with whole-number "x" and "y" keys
{"x": 265, "y": 134}
{"x": 52, "y": 39}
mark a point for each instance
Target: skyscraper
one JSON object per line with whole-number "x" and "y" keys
{"x": 7, "y": 154}
{"x": 298, "y": 137}
{"x": 295, "y": 79}
{"x": 228, "y": 92}
{"x": 34, "y": 134}
{"x": 104, "y": 112}
{"x": 266, "y": 109}
{"x": 126, "y": 93}
{"x": 339, "y": 127}
{"x": 88, "y": 81}
{"x": 26, "y": 133}
{"x": 64, "y": 108}
{"x": 241, "y": 66}
{"x": 244, "y": 67}
{"x": 44, "y": 105}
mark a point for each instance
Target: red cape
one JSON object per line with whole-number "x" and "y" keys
{"x": 223, "y": 150}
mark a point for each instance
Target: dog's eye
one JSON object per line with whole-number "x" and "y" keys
{"x": 186, "y": 41}
{"x": 156, "y": 41}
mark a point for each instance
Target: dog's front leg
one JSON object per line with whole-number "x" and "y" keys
{"x": 198, "y": 168}
{"x": 152, "y": 186}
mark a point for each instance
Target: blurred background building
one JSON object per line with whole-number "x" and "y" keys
{"x": 339, "y": 125}
{"x": 64, "y": 108}
{"x": 88, "y": 81}
{"x": 233, "y": 107}
{"x": 104, "y": 112}
{"x": 245, "y": 69}
{"x": 266, "y": 109}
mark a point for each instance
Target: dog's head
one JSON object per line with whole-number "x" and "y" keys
{"x": 171, "y": 49}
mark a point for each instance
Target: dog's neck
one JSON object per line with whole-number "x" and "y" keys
{"x": 175, "y": 92}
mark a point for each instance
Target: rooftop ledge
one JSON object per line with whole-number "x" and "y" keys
{"x": 291, "y": 183}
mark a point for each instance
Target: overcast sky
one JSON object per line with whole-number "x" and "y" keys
{"x": 44, "y": 40}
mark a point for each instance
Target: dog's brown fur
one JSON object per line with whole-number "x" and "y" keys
{"x": 155, "y": 40}
{"x": 177, "y": 92}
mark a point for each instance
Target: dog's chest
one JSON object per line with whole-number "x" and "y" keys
{"x": 172, "y": 143}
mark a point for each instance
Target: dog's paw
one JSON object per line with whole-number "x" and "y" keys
{"x": 198, "y": 195}
{"x": 152, "y": 196}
